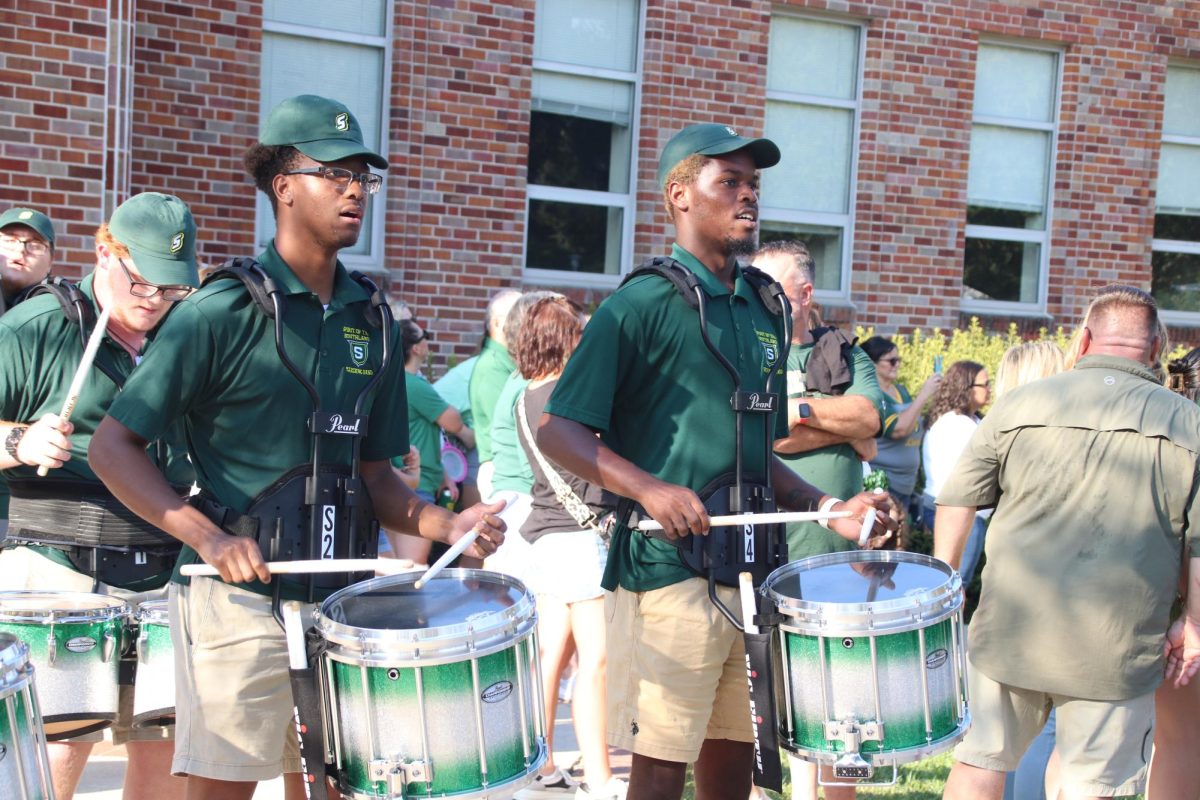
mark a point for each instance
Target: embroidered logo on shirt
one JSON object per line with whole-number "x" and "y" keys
{"x": 359, "y": 342}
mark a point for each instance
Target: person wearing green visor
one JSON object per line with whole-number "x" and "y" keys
{"x": 145, "y": 264}
{"x": 218, "y": 368}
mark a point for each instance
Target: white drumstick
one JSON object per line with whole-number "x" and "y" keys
{"x": 81, "y": 373}
{"x": 864, "y": 534}
{"x": 749, "y": 607}
{"x": 756, "y": 519}
{"x": 462, "y": 544}
{"x": 388, "y": 566}
{"x": 293, "y": 630}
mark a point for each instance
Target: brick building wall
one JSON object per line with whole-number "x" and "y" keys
{"x": 461, "y": 78}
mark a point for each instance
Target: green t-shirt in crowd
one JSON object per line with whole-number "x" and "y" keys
{"x": 214, "y": 366}
{"x": 491, "y": 371}
{"x": 899, "y": 458}
{"x": 643, "y": 377}
{"x": 511, "y": 468}
{"x": 425, "y": 405}
{"x": 835, "y": 470}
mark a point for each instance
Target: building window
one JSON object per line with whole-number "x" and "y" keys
{"x": 579, "y": 226}
{"x": 1175, "y": 263}
{"x": 338, "y": 50}
{"x": 813, "y": 95}
{"x": 1008, "y": 184}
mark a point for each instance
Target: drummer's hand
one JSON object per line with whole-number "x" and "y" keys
{"x": 676, "y": 508}
{"x": 45, "y": 444}
{"x": 237, "y": 558}
{"x": 850, "y": 527}
{"x": 484, "y": 518}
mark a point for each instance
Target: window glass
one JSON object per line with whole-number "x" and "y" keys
{"x": 813, "y": 57}
{"x": 350, "y": 16}
{"x": 823, "y": 243}
{"x": 1015, "y": 83}
{"x": 588, "y": 33}
{"x": 816, "y": 143}
{"x": 574, "y": 237}
{"x": 1002, "y": 270}
{"x": 1181, "y": 115}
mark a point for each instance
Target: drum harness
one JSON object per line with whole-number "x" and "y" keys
{"x": 106, "y": 540}
{"x": 297, "y": 516}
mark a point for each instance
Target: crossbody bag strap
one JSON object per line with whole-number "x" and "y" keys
{"x": 579, "y": 510}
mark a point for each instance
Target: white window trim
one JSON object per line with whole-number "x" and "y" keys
{"x": 627, "y": 201}
{"x": 847, "y": 221}
{"x": 372, "y": 262}
{"x": 1042, "y": 237}
{"x": 1189, "y": 318}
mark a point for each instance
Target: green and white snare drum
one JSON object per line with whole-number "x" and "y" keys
{"x": 24, "y": 768}
{"x": 872, "y": 662}
{"x": 154, "y": 686}
{"x": 75, "y": 641}
{"x": 432, "y": 692}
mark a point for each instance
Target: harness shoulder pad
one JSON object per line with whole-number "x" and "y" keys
{"x": 680, "y": 276}
{"x": 769, "y": 290}
{"x": 251, "y": 274}
{"x": 375, "y": 314}
{"x": 74, "y": 303}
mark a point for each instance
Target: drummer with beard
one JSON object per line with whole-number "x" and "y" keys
{"x": 643, "y": 380}
{"x": 145, "y": 263}
{"x": 216, "y": 368}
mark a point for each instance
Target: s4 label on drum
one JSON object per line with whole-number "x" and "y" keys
{"x": 748, "y": 537}
{"x": 328, "y": 526}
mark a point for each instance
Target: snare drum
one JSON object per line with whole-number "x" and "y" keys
{"x": 432, "y": 692}
{"x": 154, "y": 686}
{"x": 873, "y": 667}
{"x": 24, "y": 768}
{"x": 75, "y": 641}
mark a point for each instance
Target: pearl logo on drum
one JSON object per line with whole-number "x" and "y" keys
{"x": 497, "y": 692}
{"x": 937, "y": 658}
{"x": 81, "y": 644}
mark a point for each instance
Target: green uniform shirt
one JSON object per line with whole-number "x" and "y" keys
{"x": 425, "y": 405}
{"x": 491, "y": 371}
{"x": 214, "y": 365}
{"x": 511, "y": 468}
{"x": 835, "y": 470}
{"x": 899, "y": 458}
{"x": 1094, "y": 473}
{"x": 644, "y": 379}
{"x": 39, "y": 352}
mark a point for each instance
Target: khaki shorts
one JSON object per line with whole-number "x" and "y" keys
{"x": 676, "y": 671}
{"x": 234, "y": 699}
{"x": 22, "y": 568}
{"x": 1104, "y": 744}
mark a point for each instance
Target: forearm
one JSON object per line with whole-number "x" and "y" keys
{"x": 398, "y": 508}
{"x": 803, "y": 439}
{"x": 793, "y": 493}
{"x": 849, "y": 416}
{"x": 467, "y": 436}
{"x": 1193, "y": 589}
{"x": 576, "y": 449}
{"x": 906, "y": 423}
{"x": 951, "y": 526}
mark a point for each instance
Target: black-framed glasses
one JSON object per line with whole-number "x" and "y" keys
{"x": 341, "y": 177}
{"x": 141, "y": 289}
{"x": 35, "y": 247}
{"x": 894, "y": 361}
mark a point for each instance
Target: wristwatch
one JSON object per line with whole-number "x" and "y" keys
{"x": 15, "y": 434}
{"x": 803, "y": 412}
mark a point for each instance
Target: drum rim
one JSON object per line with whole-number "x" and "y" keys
{"x": 153, "y": 612}
{"x": 893, "y": 615}
{"x": 107, "y": 608}
{"x": 409, "y": 643}
{"x": 896, "y": 757}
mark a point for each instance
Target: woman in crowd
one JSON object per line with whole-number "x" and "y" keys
{"x": 1025, "y": 363}
{"x": 565, "y": 560}
{"x": 965, "y": 389}
{"x": 899, "y": 444}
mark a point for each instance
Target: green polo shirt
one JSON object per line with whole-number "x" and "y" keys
{"x": 491, "y": 371}
{"x": 39, "y": 352}
{"x": 214, "y": 365}
{"x": 512, "y": 471}
{"x": 836, "y": 470}
{"x": 425, "y": 405}
{"x": 643, "y": 377}
{"x": 1094, "y": 473}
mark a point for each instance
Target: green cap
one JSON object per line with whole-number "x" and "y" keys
{"x": 322, "y": 129}
{"x": 160, "y": 233}
{"x": 34, "y": 219}
{"x": 711, "y": 139}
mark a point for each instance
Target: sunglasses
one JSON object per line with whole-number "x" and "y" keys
{"x": 894, "y": 361}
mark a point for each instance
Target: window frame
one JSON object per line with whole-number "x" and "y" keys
{"x": 372, "y": 262}
{"x": 823, "y": 219}
{"x": 1171, "y": 316}
{"x": 627, "y": 201}
{"x": 1042, "y": 238}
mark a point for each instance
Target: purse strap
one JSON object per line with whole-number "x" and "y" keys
{"x": 579, "y": 510}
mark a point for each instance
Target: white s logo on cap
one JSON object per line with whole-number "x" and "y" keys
{"x": 342, "y": 122}
{"x": 177, "y": 242}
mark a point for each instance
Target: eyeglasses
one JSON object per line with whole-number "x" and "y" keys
{"x": 893, "y": 361}
{"x": 342, "y": 177}
{"x": 35, "y": 247}
{"x": 140, "y": 289}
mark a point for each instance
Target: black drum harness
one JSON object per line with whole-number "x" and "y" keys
{"x": 97, "y": 533}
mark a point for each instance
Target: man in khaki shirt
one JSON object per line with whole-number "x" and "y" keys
{"x": 1094, "y": 476}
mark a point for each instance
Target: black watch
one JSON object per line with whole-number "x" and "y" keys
{"x": 15, "y": 434}
{"x": 803, "y": 412}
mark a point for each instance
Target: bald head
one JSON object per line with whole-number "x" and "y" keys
{"x": 1123, "y": 321}
{"x": 790, "y": 263}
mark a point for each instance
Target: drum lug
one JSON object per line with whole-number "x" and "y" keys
{"x": 110, "y": 646}
{"x": 398, "y": 774}
{"x": 51, "y": 647}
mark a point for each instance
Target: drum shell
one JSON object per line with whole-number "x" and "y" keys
{"x": 75, "y": 641}
{"x": 154, "y": 686}
{"x": 24, "y": 767}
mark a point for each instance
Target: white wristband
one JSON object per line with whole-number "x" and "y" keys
{"x": 827, "y": 506}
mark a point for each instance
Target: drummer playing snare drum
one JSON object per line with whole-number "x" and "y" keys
{"x": 217, "y": 367}
{"x": 145, "y": 262}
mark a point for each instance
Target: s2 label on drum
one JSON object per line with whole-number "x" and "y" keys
{"x": 328, "y": 526}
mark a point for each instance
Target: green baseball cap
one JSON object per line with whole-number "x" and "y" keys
{"x": 160, "y": 233}
{"x": 711, "y": 139}
{"x": 322, "y": 129}
{"x": 32, "y": 218}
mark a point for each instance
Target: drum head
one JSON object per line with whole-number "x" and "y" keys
{"x": 866, "y": 590}
{"x": 35, "y": 607}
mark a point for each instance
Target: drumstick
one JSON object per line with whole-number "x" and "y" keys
{"x": 81, "y": 373}
{"x": 388, "y": 566}
{"x": 756, "y": 519}
{"x": 749, "y": 607}
{"x": 293, "y": 629}
{"x": 462, "y": 544}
